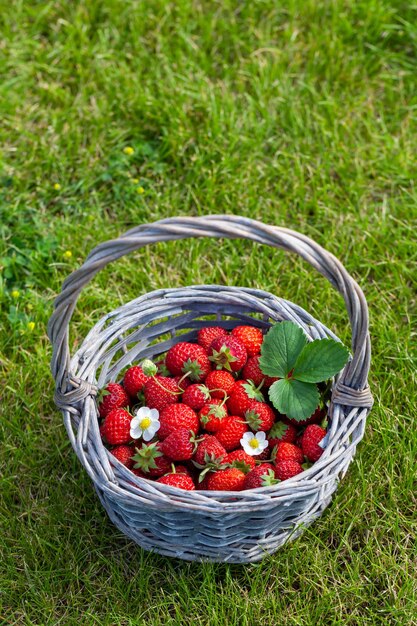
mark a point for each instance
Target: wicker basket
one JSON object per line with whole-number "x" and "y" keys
{"x": 236, "y": 527}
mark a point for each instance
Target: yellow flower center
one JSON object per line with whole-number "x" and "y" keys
{"x": 254, "y": 443}
{"x": 145, "y": 423}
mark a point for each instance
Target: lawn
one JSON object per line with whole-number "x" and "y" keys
{"x": 299, "y": 113}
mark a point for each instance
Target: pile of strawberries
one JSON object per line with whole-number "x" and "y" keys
{"x": 201, "y": 419}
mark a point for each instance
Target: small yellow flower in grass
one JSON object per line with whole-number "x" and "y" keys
{"x": 67, "y": 254}
{"x": 128, "y": 150}
{"x": 57, "y": 186}
{"x": 140, "y": 190}
{"x": 15, "y": 294}
{"x": 31, "y": 326}
{"x": 145, "y": 423}
{"x": 254, "y": 443}
{"x": 135, "y": 181}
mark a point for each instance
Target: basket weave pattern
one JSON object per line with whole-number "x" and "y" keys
{"x": 218, "y": 526}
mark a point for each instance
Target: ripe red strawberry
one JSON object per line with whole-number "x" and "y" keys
{"x": 288, "y": 452}
{"x": 281, "y": 432}
{"x": 231, "y": 432}
{"x": 181, "y": 481}
{"x": 228, "y": 353}
{"x": 161, "y": 391}
{"x": 260, "y": 416}
{"x": 315, "y": 418}
{"x": 241, "y": 396}
{"x": 310, "y": 440}
{"x": 112, "y": 397}
{"x": 250, "y": 337}
{"x": 150, "y": 459}
{"x": 252, "y": 371}
{"x": 212, "y": 414}
{"x": 134, "y": 381}
{"x": 209, "y": 450}
{"x": 176, "y": 416}
{"x": 124, "y": 455}
{"x": 261, "y": 476}
{"x": 205, "y": 336}
{"x": 287, "y": 469}
{"x": 116, "y": 427}
{"x": 220, "y": 383}
{"x": 179, "y": 445}
{"x": 183, "y": 383}
{"x": 196, "y": 396}
{"x": 230, "y": 479}
{"x": 241, "y": 459}
{"x": 189, "y": 358}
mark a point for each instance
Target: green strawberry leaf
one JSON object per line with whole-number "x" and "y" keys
{"x": 280, "y": 349}
{"x": 319, "y": 360}
{"x": 296, "y": 399}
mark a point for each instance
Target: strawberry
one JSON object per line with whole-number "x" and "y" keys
{"x": 260, "y": 416}
{"x": 240, "y": 459}
{"x": 124, "y": 455}
{"x": 188, "y": 358}
{"x": 196, "y": 396}
{"x": 176, "y": 416}
{"x": 116, "y": 427}
{"x": 310, "y": 440}
{"x": 250, "y": 337}
{"x": 209, "y": 450}
{"x": 261, "y": 476}
{"x": 161, "y": 391}
{"x": 151, "y": 460}
{"x": 206, "y": 335}
{"x": 212, "y": 415}
{"x": 183, "y": 383}
{"x": 265, "y": 455}
{"x": 112, "y": 397}
{"x": 230, "y": 479}
{"x": 220, "y": 383}
{"x": 134, "y": 381}
{"x": 281, "y": 432}
{"x": 315, "y": 418}
{"x": 287, "y": 469}
{"x": 252, "y": 371}
{"x": 231, "y": 432}
{"x": 228, "y": 353}
{"x": 176, "y": 479}
{"x": 288, "y": 452}
{"x": 179, "y": 445}
{"x": 243, "y": 392}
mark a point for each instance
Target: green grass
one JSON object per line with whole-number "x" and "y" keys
{"x": 299, "y": 113}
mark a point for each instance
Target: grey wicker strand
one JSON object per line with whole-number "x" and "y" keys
{"x": 218, "y": 526}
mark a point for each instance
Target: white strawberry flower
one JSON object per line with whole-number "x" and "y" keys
{"x": 145, "y": 423}
{"x": 254, "y": 443}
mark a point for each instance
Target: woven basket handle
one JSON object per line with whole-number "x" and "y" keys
{"x": 352, "y": 387}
